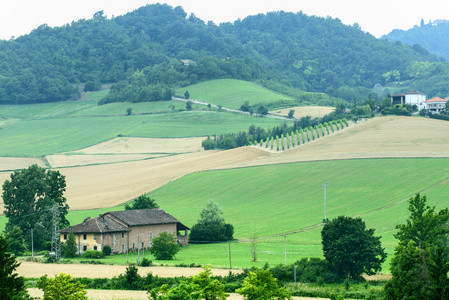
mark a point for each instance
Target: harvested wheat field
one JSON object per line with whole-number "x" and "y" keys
{"x": 146, "y": 145}
{"x": 14, "y": 163}
{"x": 100, "y": 186}
{"x": 61, "y": 161}
{"x": 34, "y": 270}
{"x": 382, "y": 137}
{"x": 303, "y": 111}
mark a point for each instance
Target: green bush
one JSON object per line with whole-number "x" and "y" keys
{"x": 107, "y": 250}
{"x": 146, "y": 262}
{"x": 95, "y": 254}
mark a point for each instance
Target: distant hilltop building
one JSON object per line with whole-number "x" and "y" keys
{"x": 440, "y": 21}
{"x": 413, "y": 98}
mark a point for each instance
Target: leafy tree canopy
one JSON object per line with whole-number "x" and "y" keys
{"x": 61, "y": 287}
{"x": 424, "y": 226}
{"x": 351, "y": 249}
{"x": 29, "y": 197}
{"x": 420, "y": 265}
{"x": 261, "y": 285}
{"x": 164, "y": 246}
{"x": 144, "y": 48}
{"x": 201, "y": 286}
{"x": 12, "y": 286}
{"x": 142, "y": 202}
{"x": 16, "y": 240}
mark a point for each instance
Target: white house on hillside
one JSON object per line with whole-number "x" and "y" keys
{"x": 436, "y": 105}
{"x": 413, "y": 98}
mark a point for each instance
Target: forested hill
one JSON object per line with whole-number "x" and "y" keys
{"x": 144, "y": 49}
{"x": 320, "y": 54}
{"x": 432, "y": 36}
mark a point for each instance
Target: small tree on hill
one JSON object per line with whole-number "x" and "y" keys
{"x": 187, "y": 95}
{"x": 211, "y": 226}
{"x": 164, "y": 246}
{"x": 189, "y": 105}
{"x": 142, "y": 202}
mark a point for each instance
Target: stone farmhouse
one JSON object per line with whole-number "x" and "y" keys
{"x": 125, "y": 230}
{"x": 436, "y": 105}
{"x": 413, "y": 98}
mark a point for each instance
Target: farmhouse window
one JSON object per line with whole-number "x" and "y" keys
{"x": 84, "y": 236}
{"x": 95, "y": 247}
{"x": 65, "y": 236}
{"x": 151, "y": 235}
{"x": 143, "y": 245}
{"x": 123, "y": 235}
{"x": 134, "y": 245}
{"x": 123, "y": 247}
{"x": 95, "y": 238}
{"x": 84, "y": 248}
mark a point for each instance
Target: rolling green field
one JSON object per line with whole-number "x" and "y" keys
{"x": 282, "y": 199}
{"x": 231, "y": 93}
{"x": 287, "y": 199}
{"x": 38, "y": 137}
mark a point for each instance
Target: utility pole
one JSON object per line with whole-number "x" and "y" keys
{"x": 55, "y": 236}
{"x": 32, "y": 243}
{"x": 325, "y": 185}
{"x": 230, "y": 262}
{"x": 138, "y": 248}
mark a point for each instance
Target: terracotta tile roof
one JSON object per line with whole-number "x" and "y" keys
{"x": 414, "y": 92}
{"x": 96, "y": 225}
{"x": 436, "y": 99}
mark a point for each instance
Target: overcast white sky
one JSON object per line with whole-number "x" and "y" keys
{"x": 19, "y": 17}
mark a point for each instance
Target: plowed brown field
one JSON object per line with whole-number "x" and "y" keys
{"x": 108, "y": 185}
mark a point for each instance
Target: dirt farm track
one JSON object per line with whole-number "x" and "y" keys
{"x": 112, "y": 183}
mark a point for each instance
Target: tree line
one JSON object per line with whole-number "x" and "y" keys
{"x": 287, "y": 51}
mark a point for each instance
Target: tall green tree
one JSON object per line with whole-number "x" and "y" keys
{"x": 29, "y": 197}
{"x": 351, "y": 249}
{"x": 420, "y": 264}
{"x": 12, "y": 286}
{"x": 211, "y": 226}
{"x": 16, "y": 240}
{"x": 69, "y": 247}
{"x": 424, "y": 226}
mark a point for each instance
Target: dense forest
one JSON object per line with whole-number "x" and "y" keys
{"x": 143, "y": 53}
{"x": 432, "y": 36}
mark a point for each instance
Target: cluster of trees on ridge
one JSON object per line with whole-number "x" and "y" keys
{"x": 287, "y": 50}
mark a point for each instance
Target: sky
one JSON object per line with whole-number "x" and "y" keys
{"x": 379, "y": 17}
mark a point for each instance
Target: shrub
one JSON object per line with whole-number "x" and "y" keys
{"x": 107, "y": 250}
{"x": 146, "y": 262}
{"x": 95, "y": 254}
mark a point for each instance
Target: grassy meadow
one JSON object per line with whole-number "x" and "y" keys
{"x": 231, "y": 93}
{"x": 38, "y": 137}
{"x": 281, "y": 199}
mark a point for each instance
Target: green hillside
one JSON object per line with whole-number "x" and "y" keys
{"x": 61, "y": 130}
{"x": 281, "y": 199}
{"x": 231, "y": 93}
